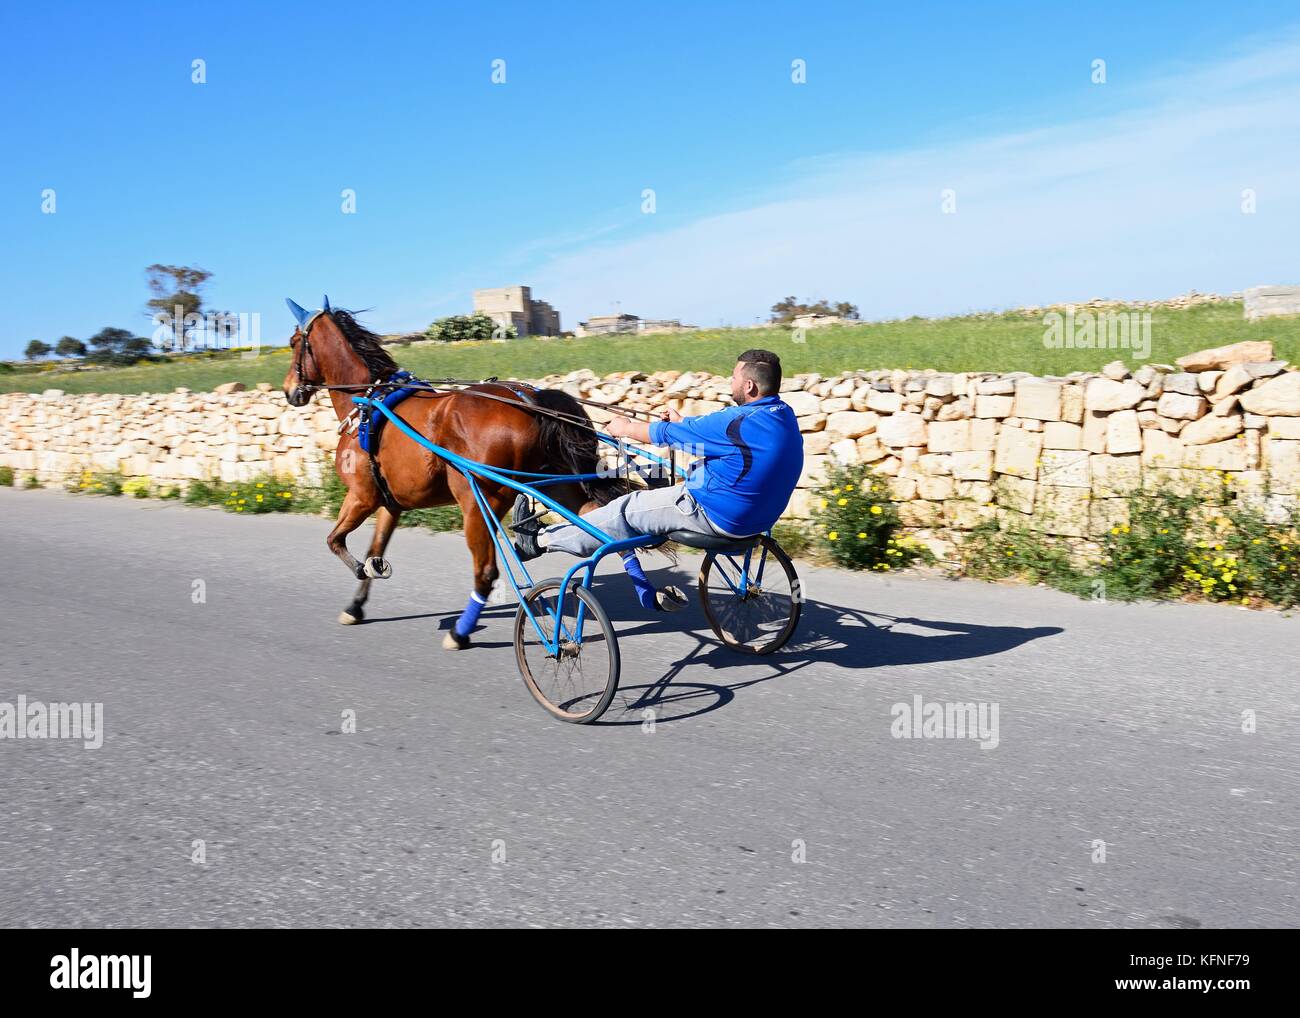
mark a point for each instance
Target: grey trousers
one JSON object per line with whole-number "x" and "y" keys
{"x": 649, "y": 511}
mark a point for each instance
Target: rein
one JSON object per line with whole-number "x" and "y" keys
{"x": 435, "y": 388}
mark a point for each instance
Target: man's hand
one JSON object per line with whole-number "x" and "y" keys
{"x": 626, "y": 427}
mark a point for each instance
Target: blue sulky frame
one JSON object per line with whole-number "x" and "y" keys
{"x": 528, "y": 483}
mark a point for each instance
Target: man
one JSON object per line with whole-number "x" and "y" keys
{"x": 752, "y": 457}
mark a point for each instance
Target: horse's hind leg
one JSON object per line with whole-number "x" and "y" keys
{"x": 484, "y": 551}
{"x": 385, "y": 524}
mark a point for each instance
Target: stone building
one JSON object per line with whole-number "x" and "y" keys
{"x": 514, "y": 305}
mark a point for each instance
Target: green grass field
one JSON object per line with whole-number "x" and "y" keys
{"x": 976, "y": 343}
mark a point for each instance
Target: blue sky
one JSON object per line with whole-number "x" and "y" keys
{"x": 1065, "y": 189}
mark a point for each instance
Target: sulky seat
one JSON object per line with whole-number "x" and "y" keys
{"x": 727, "y": 545}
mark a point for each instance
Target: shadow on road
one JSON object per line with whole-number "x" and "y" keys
{"x": 852, "y": 638}
{"x": 828, "y": 633}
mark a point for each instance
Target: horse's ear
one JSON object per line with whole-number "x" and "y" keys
{"x": 325, "y": 303}
{"x": 299, "y": 312}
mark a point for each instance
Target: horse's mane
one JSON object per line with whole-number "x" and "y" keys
{"x": 365, "y": 343}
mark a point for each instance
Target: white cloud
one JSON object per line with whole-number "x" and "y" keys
{"x": 1142, "y": 203}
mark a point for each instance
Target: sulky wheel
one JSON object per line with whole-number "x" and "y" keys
{"x": 752, "y": 600}
{"x": 577, "y": 682}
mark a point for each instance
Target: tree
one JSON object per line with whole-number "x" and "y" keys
{"x": 176, "y": 300}
{"x": 70, "y": 347}
{"x": 462, "y": 327}
{"x": 118, "y": 347}
{"x": 36, "y": 349}
{"x": 790, "y": 307}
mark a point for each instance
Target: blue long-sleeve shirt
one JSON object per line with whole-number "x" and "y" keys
{"x": 752, "y": 458}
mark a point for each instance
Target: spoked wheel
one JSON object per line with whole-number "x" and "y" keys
{"x": 577, "y": 683}
{"x": 752, "y": 600}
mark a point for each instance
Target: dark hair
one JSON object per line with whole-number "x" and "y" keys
{"x": 365, "y": 343}
{"x": 763, "y": 368}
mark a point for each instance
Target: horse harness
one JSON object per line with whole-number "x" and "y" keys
{"x": 368, "y": 425}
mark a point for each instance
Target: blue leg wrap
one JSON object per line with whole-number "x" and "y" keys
{"x": 469, "y": 617}
{"x": 645, "y": 591}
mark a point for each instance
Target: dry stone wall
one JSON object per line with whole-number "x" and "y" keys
{"x": 956, "y": 449}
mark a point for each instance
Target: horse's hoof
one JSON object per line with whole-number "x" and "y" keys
{"x": 378, "y": 568}
{"x": 351, "y": 617}
{"x": 670, "y": 599}
{"x": 454, "y": 641}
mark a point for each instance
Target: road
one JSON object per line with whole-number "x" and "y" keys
{"x": 767, "y": 792}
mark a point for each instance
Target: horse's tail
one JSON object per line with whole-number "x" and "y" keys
{"x": 571, "y": 448}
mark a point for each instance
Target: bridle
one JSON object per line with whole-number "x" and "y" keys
{"x": 305, "y": 351}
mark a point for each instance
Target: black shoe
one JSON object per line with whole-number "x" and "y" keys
{"x": 526, "y": 525}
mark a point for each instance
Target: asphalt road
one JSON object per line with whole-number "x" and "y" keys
{"x": 768, "y": 792}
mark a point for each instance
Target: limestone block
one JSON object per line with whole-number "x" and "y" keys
{"x": 1283, "y": 427}
{"x": 1072, "y": 404}
{"x": 983, "y": 435}
{"x": 1061, "y": 435}
{"x": 1038, "y": 399}
{"x": 1094, "y": 431}
{"x": 1122, "y": 433}
{"x": 949, "y": 436}
{"x": 1282, "y": 463}
{"x": 972, "y": 466}
{"x": 934, "y": 489}
{"x": 1017, "y": 453}
{"x": 1115, "y": 476}
{"x": 1229, "y": 455}
{"x": 902, "y": 430}
{"x": 884, "y": 402}
{"x": 1277, "y": 397}
{"x": 1181, "y": 407}
{"x": 1061, "y": 511}
{"x": 1068, "y": 468}
{"x": 1106, "y": 394}
{"x": 1015, "y": 493}
{"x": 963, "y": 515}
{"x": 1161, "y": 450}
{"x": 1250, "y": 351}
{"x": 1211, "y": 428}
{"x": 851, "y": 423}
{"x": 993, "y": 406}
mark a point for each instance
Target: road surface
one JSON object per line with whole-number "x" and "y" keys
{"x": 766, "y": 792}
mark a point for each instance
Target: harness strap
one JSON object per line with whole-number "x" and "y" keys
{"x": 390, "y": 503}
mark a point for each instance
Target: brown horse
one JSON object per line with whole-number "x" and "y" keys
{"x": 330, "y": 348}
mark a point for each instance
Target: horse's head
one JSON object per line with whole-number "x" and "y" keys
{"x": 305, "y": 373}
{"x": 330, "y": 347}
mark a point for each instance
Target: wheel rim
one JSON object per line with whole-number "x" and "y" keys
{"x": 762, "y": 618}
{"x": 578, "y": 683}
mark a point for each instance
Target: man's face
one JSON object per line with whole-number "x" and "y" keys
{"x": 742, "y": 389}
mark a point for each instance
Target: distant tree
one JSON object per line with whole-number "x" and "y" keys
{"x": 70, "y": 347}
{"x": 176, "y": 300}
{"x": 787, "y": 309}
{"x": 36, "y": 349}
{"x": 118, "y": 347}
{"x": 462, "y": 327}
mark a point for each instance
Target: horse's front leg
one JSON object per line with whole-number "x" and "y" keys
{"x": 352, "y": 514}
{"x": 385, "y": 524}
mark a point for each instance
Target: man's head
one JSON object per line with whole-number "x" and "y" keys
{"x": 757, "y": 374}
